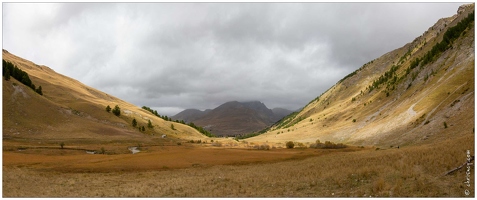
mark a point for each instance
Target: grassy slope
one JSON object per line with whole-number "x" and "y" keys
{"x": 398, "y": 119}
{"x": 71, "y": 111}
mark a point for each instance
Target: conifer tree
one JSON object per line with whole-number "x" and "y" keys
{"x": 117, "y": 111}
{"x": 7, "y": 74}
{"x": 38, "y": 90}
{"x": 108, "y": 109}
{"x": 134, "y": 123}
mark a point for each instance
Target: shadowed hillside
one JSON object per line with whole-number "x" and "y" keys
{"x": 190, "y": 115}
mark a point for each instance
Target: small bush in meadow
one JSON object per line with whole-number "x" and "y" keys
{"x": 327, "y": 145}
{"x": 217, "y": 144}
{"x": 300, "y": 145}
{"x": 264, "y": 147}
{"x": 290, "y": 144}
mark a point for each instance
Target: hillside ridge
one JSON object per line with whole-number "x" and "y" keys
{"x": 69, "y": 110}
{"x": 403, "y": 97}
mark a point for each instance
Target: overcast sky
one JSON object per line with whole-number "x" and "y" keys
{"x": 174, "y": 56}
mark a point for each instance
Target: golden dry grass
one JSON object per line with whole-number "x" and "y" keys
{"x": 70, "y": 109}
{"x": 185, "y": 171}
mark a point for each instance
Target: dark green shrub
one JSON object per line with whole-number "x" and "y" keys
{"x": 327, "y": 145}
{"x": 290, "y": 144}
{"x": 38, "y": 90}
{"x": 116, "y": 111}
{"x": 300, "y": 145}
{"x": 262, "y": 147}
{"x": 134, "y": 123}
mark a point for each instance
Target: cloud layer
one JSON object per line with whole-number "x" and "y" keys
{"x": 173, "y": 56}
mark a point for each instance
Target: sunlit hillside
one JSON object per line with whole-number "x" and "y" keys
{"x": 391, "y": 100}
{"x": 72, "y": 112}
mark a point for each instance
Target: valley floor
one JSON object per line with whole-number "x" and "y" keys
{"x": 197, "y": 171}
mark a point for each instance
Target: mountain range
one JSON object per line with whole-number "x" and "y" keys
{"x": 406, "y": 120}
{"x": 233, "y": 118}
{"x": 418, "y": 93}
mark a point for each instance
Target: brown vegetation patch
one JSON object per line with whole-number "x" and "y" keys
{"x": 151, "y": 158}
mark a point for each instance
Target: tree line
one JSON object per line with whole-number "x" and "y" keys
{"x": 117, "y": 111}
{"x": 198, "y": 128}
{"x": 448, "y": 38}
{"x": 154, "y": 112}
{"x": 10, "y": 70}
{"x": 248, "y": 135}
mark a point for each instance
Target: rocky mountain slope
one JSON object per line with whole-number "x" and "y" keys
{"x": 234, "y": 118}
{"x": 190, "y": 115}
{"x": 72, "y": 111}
{"x": 421, "y": 92}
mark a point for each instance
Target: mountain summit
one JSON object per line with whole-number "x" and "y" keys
{"x": 234, "y": 118}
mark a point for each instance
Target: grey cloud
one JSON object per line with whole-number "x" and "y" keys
{"x": 173, "y": 56}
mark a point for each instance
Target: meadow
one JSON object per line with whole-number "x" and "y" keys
{"x": 198, "y": 170}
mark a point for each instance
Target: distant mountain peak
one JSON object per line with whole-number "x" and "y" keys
{"x": 234, "y": 117}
